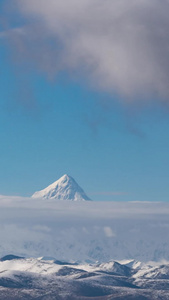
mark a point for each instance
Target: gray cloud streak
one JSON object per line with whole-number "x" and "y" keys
{"x": 119, "y": 46}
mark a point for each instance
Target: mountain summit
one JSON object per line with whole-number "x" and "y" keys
{"x": 65, "y": 188}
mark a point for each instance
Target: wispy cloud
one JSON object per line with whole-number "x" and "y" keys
{"x": 111, "y": 193}
{"x": 120, "y": 46}
{"x": 109, "y": 232}
{"x": 11, "y": 31}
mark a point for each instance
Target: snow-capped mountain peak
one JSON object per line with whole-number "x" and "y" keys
{"x": 65, "y": 188}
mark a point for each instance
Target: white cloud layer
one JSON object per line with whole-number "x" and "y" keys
{"x": 84, "y": 230}
{"x": 119, "y": 46}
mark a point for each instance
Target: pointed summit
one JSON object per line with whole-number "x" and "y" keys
{"x": 65, "y": 188}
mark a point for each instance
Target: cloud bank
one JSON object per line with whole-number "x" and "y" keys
{"x": 93, "y": 231}
{"x": 119, "y": 46}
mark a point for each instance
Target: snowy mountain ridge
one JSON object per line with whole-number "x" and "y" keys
{"x": 36, "y": 278}
{"x": 65, "y": 188}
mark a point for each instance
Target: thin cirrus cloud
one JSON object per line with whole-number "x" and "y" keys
{"x": 116, "y": 193}
{"x": 116, "y": 46}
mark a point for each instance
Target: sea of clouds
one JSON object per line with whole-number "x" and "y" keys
{"x": 84, "y": 231}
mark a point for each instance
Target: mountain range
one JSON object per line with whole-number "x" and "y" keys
{"x": 31, "y": 278}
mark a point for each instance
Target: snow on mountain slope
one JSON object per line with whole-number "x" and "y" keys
{"x": 47, "y": 267}
{"x": 66, "y": 188}
{"x": 33, "y": 278}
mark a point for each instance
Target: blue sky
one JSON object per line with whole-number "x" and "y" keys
{"x": 55, "y": 122}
